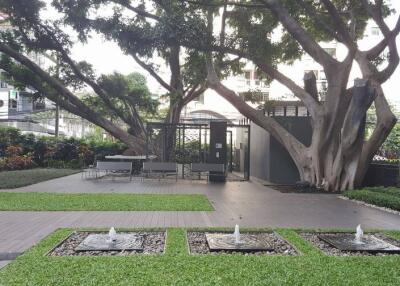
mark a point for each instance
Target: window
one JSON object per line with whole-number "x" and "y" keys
{"x": 265, "y": 96}
{"x": 254, "y": 96}
{"x": 12, "y": 102}
{"x": 255, "y": 75}
{"x": 247, "y": 75}
{"x": 375, "y": 31}
{"x": 3, "y": 84}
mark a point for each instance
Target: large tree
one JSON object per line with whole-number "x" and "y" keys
{"x": 338, "y": 156}
{"x": 144, "y": 32}
{"x": 139, "y": 34}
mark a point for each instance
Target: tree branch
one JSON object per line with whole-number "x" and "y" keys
{"x": 305, "y": 40}
{"x": 312, "y": 12}
{"x": 193, "y": 93}
{"x": 295, "y": 148}
{"x": 150, "y": 70}
{"x": 376, "y": 13}
{"x": 340, "y": 25}
{"x": 381, "y": 46}
{"x": 140, "y": 12}
{"x": 309, "y": 101}
{"x": 84, "y": 110}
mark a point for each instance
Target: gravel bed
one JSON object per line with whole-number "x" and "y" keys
{"x": 198, "y": 245}
{"x": 332, "y": 251}
{"x": 154, "y": 243}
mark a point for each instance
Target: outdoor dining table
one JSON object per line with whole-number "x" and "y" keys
{"x": 131, "y": 158}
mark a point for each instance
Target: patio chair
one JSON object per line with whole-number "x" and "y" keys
{"x": 160, "y": 169}
{"x": 112, "y": 168}
{"x": 200, "y": 169}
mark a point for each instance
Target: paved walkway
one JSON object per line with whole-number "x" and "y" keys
{"x": 246, "y": 203}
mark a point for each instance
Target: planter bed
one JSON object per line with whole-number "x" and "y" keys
{"x": 197, "y": 243}
{"x": 153, "y": 243}
{"x": 330, "y": 250}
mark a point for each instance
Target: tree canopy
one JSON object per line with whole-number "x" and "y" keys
{"x": 203, "y": 41}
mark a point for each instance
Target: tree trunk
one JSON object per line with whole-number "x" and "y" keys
{"x": 173, "y": 119}
{"x": 335, "y": 157}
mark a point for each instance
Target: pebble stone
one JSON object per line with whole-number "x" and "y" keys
{"x": 154, "y": 243}
{"x": 198, "y": 245}
{"x": 333, "y": 251}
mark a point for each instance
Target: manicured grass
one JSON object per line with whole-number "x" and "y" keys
{"x": 177, "y": 267}
{"x": 16, "y": 179}
{"x": 103, "y": 202}
{"x": 383, "y": 197}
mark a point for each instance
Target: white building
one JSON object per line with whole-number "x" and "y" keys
{"x": 20, "y": 109}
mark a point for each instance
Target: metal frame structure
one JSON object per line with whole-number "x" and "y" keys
{"x": 203, "y": 128}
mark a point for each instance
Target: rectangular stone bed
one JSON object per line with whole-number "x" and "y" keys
{"x": 218, "y": 243}
{"x": 100, "y": 242}
{"x": 340, "y": 244}
{"x": 80, "y": 243}
{"x": 248, "y": 242}
{"x": 344, "y": 242}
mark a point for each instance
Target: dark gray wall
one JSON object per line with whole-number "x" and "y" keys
{"x": 268, "y": 159}
{"x": 259, "y": 155}
{"x": 382, "y": 174}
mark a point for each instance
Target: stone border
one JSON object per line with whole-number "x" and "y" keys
{"x": 327, "y": 249}
{"x": 202, "y": 247}
{"x": 370, "y": 205}
{"x": 154, "y": 244}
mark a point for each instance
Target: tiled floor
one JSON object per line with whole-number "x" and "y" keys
{"x": 245, "y": 203}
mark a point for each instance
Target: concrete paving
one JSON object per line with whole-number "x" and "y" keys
{"x": 246, "y": 203}
{"x": 4, "y": 263}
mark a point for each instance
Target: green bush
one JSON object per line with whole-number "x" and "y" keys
{"x": 386, "y": 190}
{"x": 52, "y": 152}
{"x": 376, "y": 198}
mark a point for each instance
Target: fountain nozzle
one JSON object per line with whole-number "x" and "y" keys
{"x": 112, "y": 234}
{"x": 236, "y": 234}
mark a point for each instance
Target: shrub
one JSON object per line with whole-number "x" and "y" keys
{"x": 19, "y": 162}
{"x": 51, "y": 152}
{"x": 386, "y": 190}
{"x": 379, "y": 199}
{"x": 12, "y": 151}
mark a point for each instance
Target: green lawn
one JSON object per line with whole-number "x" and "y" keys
{"x": 103, "y": 202}
{"x": 177, "y": 267}
{"x": 16, "y": 179}
{"x": 380, "y": 196}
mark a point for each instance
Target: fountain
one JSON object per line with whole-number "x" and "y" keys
{"x": 237, "y": 242}
{"x": 236, "y": 234}
{"x": 358, "y": 242}
{"x": 359, "y": 235}
{"x": 111, "y": 241}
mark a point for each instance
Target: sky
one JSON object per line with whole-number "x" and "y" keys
{"x": 106, "y": 57}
